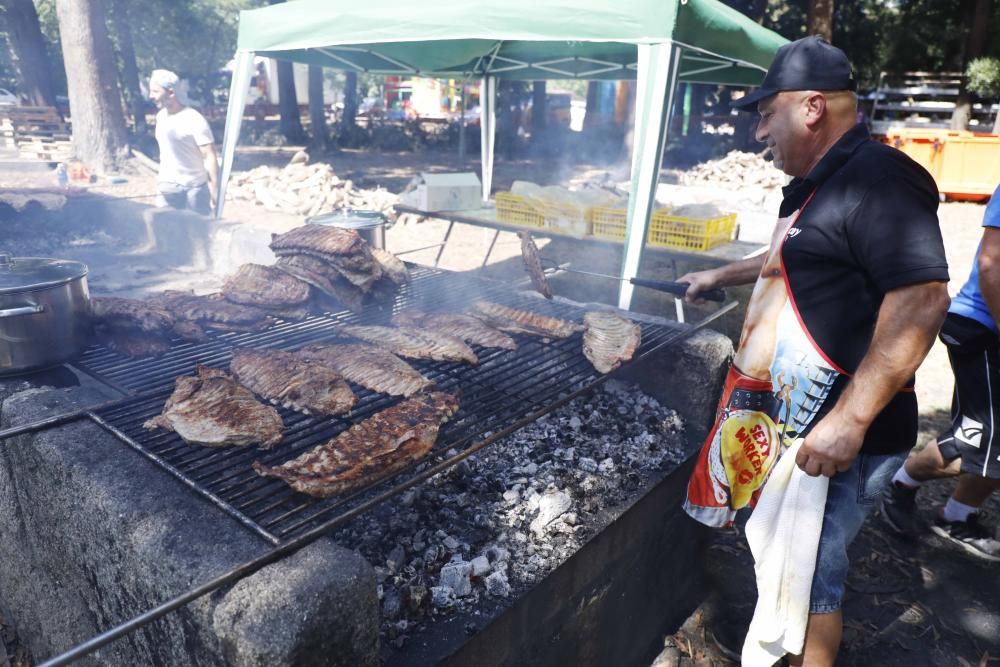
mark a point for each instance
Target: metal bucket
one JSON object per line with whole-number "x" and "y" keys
{"x": 371, "y": 225}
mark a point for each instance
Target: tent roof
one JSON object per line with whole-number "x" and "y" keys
{"x": 517, "y": 39}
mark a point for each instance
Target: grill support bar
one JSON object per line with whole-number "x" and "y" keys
{"x": 319, "y": 531}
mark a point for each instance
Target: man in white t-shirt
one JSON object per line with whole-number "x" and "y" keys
{"x": 189, "y": 168}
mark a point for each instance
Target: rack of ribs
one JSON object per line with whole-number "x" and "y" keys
{"x": 369, "y": 451}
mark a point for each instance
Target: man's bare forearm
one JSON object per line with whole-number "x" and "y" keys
{"x": 742, "y": 272}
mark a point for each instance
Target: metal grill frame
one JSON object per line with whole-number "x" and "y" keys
{"x": 506, "y": 391}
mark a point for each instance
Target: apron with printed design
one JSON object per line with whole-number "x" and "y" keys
{"x": 776, "y": 386}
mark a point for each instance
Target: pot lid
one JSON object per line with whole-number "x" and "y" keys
{"x": 349, "y": 218}
{"x": 22, "y": 274}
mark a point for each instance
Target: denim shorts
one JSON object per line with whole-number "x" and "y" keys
{"x": 850, "y": 499}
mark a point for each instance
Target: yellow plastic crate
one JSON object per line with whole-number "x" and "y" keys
{"x": 697, "y": 234}
{"x": 516, "y": 210}
{"x": 666, "y": 230}
{"x": 608, "y": 223}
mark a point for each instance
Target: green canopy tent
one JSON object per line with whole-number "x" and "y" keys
{"x": 656, "y": 42}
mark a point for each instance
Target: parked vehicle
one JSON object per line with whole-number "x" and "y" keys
{"x": 8, "y": 98}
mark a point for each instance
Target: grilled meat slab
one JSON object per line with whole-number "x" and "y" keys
{"x": 468, "y": 328}
{"x": 289, "y": 380}
{"x": 609, "y": 339}
{"x": 265, "y": 287}
{"x": 134, "y": 343}
{"x": 392, "y": 266}
{"x": 211, "y": 409}
{"x": 120, "y": 313}
{"x": 324, "y": 277}
{"x": 415, "y": 343}
{"x": 369, "y": 366}
{"x": 344, "y": 249}
{"x": 372, "y": 450}
{"x": 533, "y": 263}
{"x": 212, "y": 311}
{"x": 513, "y": 320}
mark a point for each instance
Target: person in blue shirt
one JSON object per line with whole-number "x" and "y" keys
{"x": 969, "y": 447}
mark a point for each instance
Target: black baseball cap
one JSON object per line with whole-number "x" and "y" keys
{"x": 810, "y": 63}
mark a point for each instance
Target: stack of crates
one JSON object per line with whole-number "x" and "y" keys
{"x": 667, "y": 230}
{"x": 552, "y": 216}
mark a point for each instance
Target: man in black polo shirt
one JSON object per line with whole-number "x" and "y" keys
{"x": 846, "y": 304}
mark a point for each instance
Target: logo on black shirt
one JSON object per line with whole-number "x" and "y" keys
{"x": 794, "y": 231}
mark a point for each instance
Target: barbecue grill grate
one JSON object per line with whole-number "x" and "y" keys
{"x": 506, "y": 386}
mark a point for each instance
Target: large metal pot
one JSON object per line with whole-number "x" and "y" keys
{"x": 371, "y": 225}
{"x": 44, "y": 312}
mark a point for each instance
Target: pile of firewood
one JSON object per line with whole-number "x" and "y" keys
{"x": 306, "y": 189}
{"x": 735, "y": 170}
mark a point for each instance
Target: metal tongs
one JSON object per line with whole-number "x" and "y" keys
{"x": 671, "y": 287}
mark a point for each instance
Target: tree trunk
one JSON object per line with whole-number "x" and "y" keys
{"x": 977, "y": 24}
{"x": 99, "y": 136}
{"x": 590, "y": 117}
{"x": 27, "y": 46}
{"x": 539, "y": 111}
{"x": 288, "y": 104}
{"x": 130, "y": 71}
{"x": 350, "y": 98}
{"x": 629, "y": 137}
{"x": 820, "y": 19}
{"x": 317, "y": 109}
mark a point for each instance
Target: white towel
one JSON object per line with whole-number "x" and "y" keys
{"x": 783, "y": 533}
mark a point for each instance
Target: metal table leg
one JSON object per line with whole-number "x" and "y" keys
{"x": 437, "y": 259}
{"x": 496, "y": 233}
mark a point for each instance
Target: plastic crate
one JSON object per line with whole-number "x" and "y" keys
{"x": 516, "y": 210}
{"x": 666, "y": 230}
{"x": 696, "y": 234}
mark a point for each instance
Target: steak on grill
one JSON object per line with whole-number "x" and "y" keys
{"x": 289, "y": 380}
{"x": 266, "y": 287}
{"x": 392, "y": 266}
{"x": 609, "y": 339}
{"x": 137, "y": 328}
{"x": 415, "y": 343}
{"x": 370, "y": 451}
{"x": 119, "y": 313}
{"x": 211, "y": 409}
{"x": 369, "y": 366}
{"x": 468, "y": 328}
{"x": 533, "y": 263}
{"x": 523, "y": 321}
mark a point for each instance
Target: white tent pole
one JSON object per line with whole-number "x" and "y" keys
{"x": 487, "y": 130}
{"x": 238, "y": 91}
{"x": 656, "y": 82}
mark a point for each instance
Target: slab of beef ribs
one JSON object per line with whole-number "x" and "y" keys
{"x": 290, "y": 380}
{"x": 513, "y": 320}
{"x": 371, "y": 367}
{"x": 468, "y": 328}
{"x": 211, "y": 409}
{"x": 265, "y": 287}
{"x": 533, "y": 264}
{"x": 212, "y": 311}
{"x": 414, "y": 343}
{"x": 369, "y": 451}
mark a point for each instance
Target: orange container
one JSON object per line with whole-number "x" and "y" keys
{"x": 965, "y": 165}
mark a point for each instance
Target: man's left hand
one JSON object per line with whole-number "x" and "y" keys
{"x": 830, "y": 447}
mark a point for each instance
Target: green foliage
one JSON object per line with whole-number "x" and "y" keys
{"x": 984, "y": 76}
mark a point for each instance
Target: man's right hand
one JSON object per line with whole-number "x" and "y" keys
{"x": 698, "y": 282}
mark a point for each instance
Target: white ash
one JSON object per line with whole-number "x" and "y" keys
{"x": 471, "y": 538}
